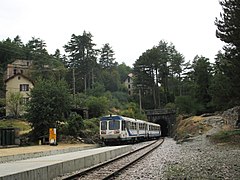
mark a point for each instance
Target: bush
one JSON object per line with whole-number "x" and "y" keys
{"x": 75, "y": 124}
{"x": 97, "y": 106}
{"x": 231, "y": 136}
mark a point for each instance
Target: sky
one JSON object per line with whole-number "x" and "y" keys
{"x": 129, "y": 26}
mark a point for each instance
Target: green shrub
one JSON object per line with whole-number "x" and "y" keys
{"x": 232, "y": 136}
{"x": 74, "y": 124}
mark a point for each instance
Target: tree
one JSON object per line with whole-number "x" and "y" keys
{"x": 220, "y": 87}
{"x": 97, "y": 106}
{"x": 228, "y": 31}
{"x": 106, "y": 60}
{"x": 123, "y": 71}
{"x": 152, "y": 71}
{"x": 82, "y": 58}
{"x": 11, "y": 50}
{"x": 14, "y": 100}
{"x": 49, "y": 101}
{"x": 202, "y": 77}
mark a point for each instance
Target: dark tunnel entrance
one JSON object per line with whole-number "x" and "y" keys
{"x": 164, "y": 127}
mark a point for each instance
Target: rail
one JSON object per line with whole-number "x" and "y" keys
{"x": 111, "y": 168}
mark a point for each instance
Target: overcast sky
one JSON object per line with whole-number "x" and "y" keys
{"x": 129, "y": 26}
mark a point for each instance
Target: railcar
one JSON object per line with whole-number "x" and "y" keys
{"x": 118, "y": 129}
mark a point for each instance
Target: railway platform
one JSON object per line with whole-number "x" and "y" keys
{"x": 54, "y": 163}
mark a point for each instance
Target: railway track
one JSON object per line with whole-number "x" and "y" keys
{"x": 113, "y": 167}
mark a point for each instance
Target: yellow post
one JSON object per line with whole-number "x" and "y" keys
{"x": 52, "y": 136}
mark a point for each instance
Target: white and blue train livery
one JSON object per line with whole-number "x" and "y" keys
{"x": 115, "y": 128}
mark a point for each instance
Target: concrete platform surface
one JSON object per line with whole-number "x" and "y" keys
{"x": 49, "y": 167}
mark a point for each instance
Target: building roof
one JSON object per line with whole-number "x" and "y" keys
{"x": 19, "y": 74}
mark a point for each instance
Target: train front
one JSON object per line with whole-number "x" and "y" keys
{"x": 110, "y": 129}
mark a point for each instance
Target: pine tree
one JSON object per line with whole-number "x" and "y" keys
{"x": 107, "y": 57}
{"x": 228, "y": 30}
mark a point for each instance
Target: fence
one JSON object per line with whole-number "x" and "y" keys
{"x": 8, "y": 136}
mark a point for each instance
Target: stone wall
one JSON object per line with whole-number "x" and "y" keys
{"x": 232, "y": 116}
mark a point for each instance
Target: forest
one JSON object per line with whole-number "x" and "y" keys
{"x": 91, "y": 78}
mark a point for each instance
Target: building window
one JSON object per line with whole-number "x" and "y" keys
{"x": 24, "y": 101}
{"x": 19, "y": 77}
{"x": 129, "y": 86}
{"x": 24, "y": 87}
{"x": 14, "y": 71}
{"x": 129, "y": 79}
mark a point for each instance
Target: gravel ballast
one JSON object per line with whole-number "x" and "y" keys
{"x": 194, "y": 159}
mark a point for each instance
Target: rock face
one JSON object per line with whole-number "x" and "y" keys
{"x": 232, "y": 116}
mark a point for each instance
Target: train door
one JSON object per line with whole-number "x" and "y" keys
{"x": 103, "y": 127}
{"x": 137, "y": 128}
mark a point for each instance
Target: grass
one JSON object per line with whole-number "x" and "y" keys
{"x": 227, "y": 136}
{"x": 23, "y": 125}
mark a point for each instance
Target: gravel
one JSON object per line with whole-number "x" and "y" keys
{"x": 195, "y": 159}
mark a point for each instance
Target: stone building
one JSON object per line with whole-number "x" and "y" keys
{"x": 129, "y": 83}
{"x": 19, "y": 66}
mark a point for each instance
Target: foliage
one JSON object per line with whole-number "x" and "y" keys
{"x": 74, "y": 124}
{"x": 23, "y": 125}
{"x": 229, "y": 136}
{"x": 170, "y": 106}
{"x": 14, "y": 105}
{"x": 123, "y": 71}
{"x": 52, "y": 99}
{"x": 187, "y": 105}
{"x": 111, "y": 80}
{"x": 97, "y": 106}
{"x": 228, "y": 31}
{"x": 202, "y": 78}
{"x": 106, "y": 60}
{"x": 153, "y": 70}
{"x": 2, "y": 102}
{"x": 97, "y": 90}
{"x": 91, "y": 125}
{"x": 82, "y": 59}
{"x": 220, "y": 87}
{"x": 132, "y": 110}
{"x": 91, "y": 130}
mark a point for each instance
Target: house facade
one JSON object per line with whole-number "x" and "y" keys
{"x": 17, "y": 83}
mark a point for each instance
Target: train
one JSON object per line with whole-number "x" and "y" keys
{"x": 119, "y": 129}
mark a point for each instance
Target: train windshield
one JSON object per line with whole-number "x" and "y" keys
{"x": 103, "y": 125}
{"x": 113, "y": 125}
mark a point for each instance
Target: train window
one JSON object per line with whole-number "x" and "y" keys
{"x": 114, "y": 125}
{"x": 134, "y": 126}
{"x": 103, "y": 125}
{"x": 123, "y": 125}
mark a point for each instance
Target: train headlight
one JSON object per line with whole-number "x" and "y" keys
{"x": 116, "y": 131}
{"x": 103, "y": 132}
